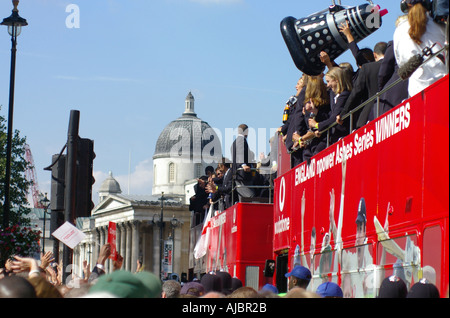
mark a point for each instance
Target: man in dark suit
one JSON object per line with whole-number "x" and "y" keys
{"x": 387, "y": 75}
{"x": 241, "y": 165}
{"x": 224, "y": 188}
{"x": 365, "y": 86}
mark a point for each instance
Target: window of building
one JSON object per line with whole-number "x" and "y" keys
{"x": 171, "y": 172}
{"x": 198, "y": 170}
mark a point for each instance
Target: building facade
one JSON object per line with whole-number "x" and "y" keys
{"x": 185, "y": 147}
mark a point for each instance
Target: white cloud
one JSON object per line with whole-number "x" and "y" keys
{"x": 139, "y": 181}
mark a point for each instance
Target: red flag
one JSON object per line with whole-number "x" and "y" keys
{"x": 112, "y": 240}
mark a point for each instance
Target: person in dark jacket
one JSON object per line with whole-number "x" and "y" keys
{"x": 366, "y": 86}
{"x": 339, "y": 88}
{"x": 295, "y": 122}
{"x": 387, "y": 75}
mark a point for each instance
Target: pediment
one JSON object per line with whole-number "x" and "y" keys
{"x": 111, "y": 203}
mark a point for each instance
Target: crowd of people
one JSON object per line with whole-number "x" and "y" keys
{"x": 27, "y": 278}
{"x": 322, "y": 105}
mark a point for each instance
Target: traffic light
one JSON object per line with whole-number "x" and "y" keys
{"x": 57, "y": 184}
{"x": 85, "y": 179}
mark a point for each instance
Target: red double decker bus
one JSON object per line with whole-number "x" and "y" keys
{"x": 375, "y": 203}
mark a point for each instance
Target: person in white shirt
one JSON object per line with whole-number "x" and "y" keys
{"x": 411, "y": 36}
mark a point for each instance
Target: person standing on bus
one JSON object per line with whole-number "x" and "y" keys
{"x": 224, "y": 188}
{"x": 295, "y": 123}
{"x": 411, "y": 37}
{"x": 339, "y": 88}
{"x": 241, "y": 165}
{"x": 317, "y": 106}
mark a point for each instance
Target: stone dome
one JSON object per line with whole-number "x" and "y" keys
{"x": 110, "y": 185}
{"x": 187, "y": 134}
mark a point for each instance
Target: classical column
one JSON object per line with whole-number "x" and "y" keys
{"x": 128, "y": 246}
{"x": 118, "y": 238}
{"x": 103, "y": 238}
{"x": 135, "y": 244}
{"x": 82, "y": 258}
{"x": 96, "y": 247}
{"x": 147, "y": 246}
{"x": 156, "y": 249}
{"x": 123, "y": 240}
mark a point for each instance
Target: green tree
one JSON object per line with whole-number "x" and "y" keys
{"x": 19, "y": 187}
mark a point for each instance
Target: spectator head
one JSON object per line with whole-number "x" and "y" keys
{"x": 338, "y": 80}
{"x": 44, "y": 289}
{"x": 330, "y": 290}
{"x": 209, "y": 170}
{"x": 270, "y": 288}
{"x": 379, "y": 50}
{"x": 244, "y": 292}
{"x": 225, "y": 278}
{"x": 423, "y": 289}
{"x": 235, "y": 283}
{"x": 298, "y": 292}
{"x": 213, "y": 294}
{"x": 348, "y": 70}
{"x": 171, "y": 289}
{"x": 417, "y": 18}
{"x": 393, "y": 287}
{"x": 211, "y": 283}
{"x": 243, "y": 129}
{"x": 316, "y": 90}
{"x": 16, "y": 287}
{"x": 124, "y": 284}
{"x": 194, "y": 289}
{"x": 364, "y": 56}
{"x": 300, "y": 276}
{"x": 151, "y": 282}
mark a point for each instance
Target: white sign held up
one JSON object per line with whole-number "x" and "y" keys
{"x": 69, "y": 235}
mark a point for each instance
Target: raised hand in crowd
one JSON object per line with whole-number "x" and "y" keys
{"x": 117, "y": 264}
{"x": 26, "y": 264}
{"x": 46, "y": 259}
{"x": 86, "y": 269}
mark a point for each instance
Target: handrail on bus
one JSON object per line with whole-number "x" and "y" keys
{"x": 234, "y": 187}
{"x": 371, "y": 99}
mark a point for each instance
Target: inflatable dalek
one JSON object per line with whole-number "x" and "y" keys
{"x": 307, "y": 37}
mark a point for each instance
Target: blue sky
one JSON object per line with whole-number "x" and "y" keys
{"x": 130, "y": 64}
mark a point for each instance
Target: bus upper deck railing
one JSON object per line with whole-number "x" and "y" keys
{"x": 237, "y": 186}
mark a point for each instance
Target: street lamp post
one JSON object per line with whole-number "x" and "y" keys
{"x": 175, "y": 223}
{"x": 160, "y": 223}
{"x": 14, "y": 23}
{"x": 45, "y": 203}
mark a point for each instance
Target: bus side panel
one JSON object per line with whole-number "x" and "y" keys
{"x": 436, "y": 149}
{"x": 436, "y": 184}
{"x": 282, "y": 219}
{"x": 254, "y": 241}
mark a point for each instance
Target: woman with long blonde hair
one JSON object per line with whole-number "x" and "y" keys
{"x": 339, "y": 87}
{"x": 411, "y": 36}
{"x": 317, "y": 106}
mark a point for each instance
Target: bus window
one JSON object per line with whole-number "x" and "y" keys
{"x": 432, "y": 253}
{"x": 358, "y": 271}
{"x": 401, "y": 257}
{"x": 252, "y": 277}
{"x": 324, "y": 269}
